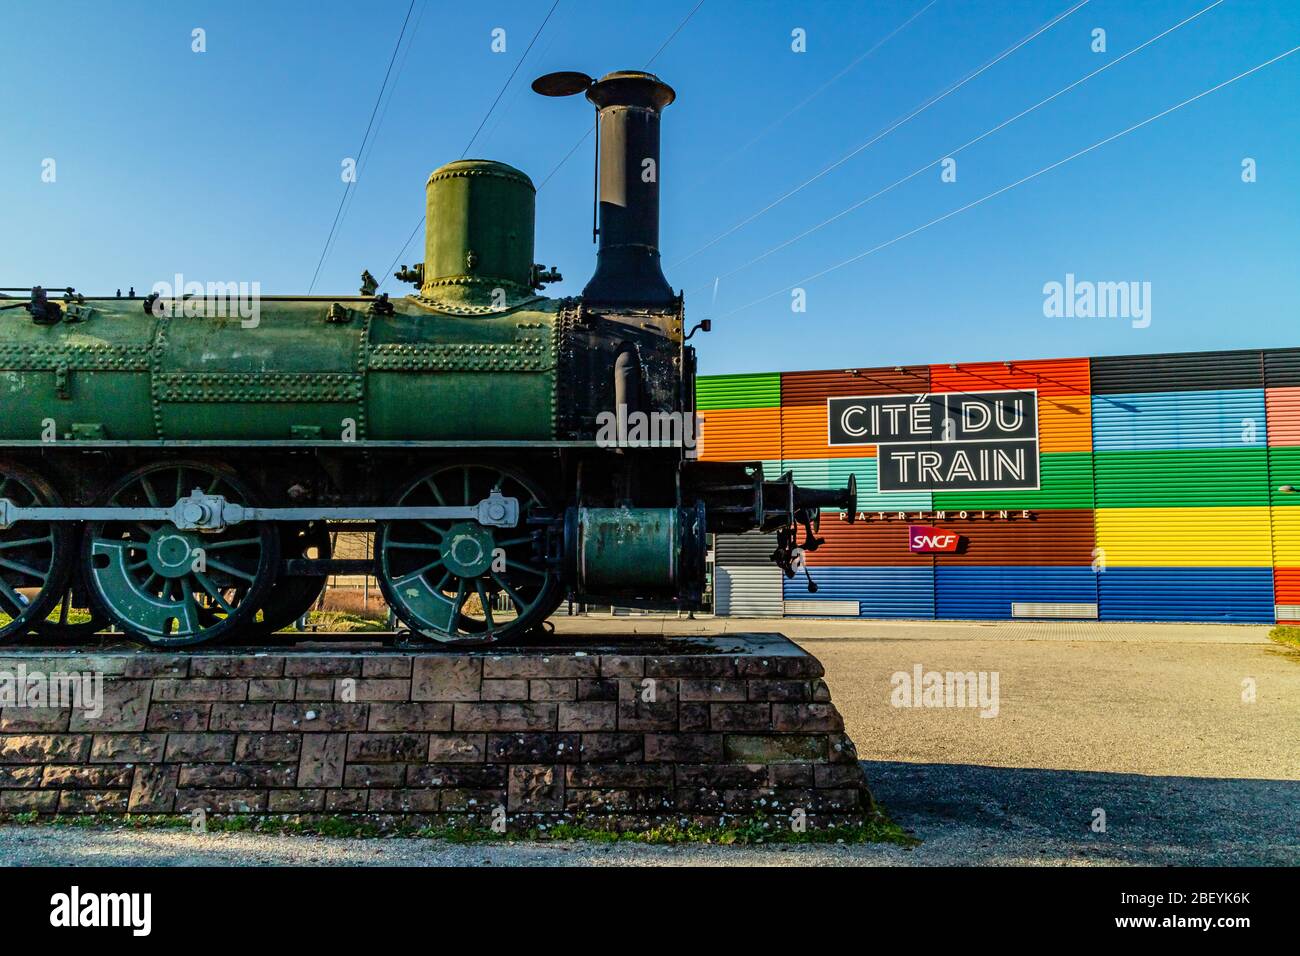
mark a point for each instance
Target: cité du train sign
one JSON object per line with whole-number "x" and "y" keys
{"x": 947, "y": 441}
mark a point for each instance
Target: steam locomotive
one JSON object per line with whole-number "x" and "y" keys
{"x": 176, "y": 468}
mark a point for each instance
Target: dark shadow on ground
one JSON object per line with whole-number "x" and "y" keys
{"x": 1001, "y": 815}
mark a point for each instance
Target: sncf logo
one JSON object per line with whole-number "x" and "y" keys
{"x": 922, "y": 538}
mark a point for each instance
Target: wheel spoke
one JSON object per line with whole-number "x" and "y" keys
{"x": 459, "y": 603}
{"x": 413, "y": 545}
{"x": 465, "y": 473}
{"x": 230, "y": 569}
{"x": 527, "y": 569}
{"x": 212, "y": 591}
{"x": 519, "y": 602}
{"x": 21, "y": 568}
{"x": 483, "y": 599}
{"x": 150, "y": 495}
{"x": 6, "y": 545}
{"x": 433, "y": 486}
{"x": 221, "y": 545}
{"x": 14, "y": 599}
{"x": 527, "y": 539}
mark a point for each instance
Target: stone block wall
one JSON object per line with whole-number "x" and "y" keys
{"x": 691, "y": 727}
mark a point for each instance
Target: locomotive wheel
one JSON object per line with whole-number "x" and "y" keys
{"x": 441, "y": 577}
{"x": 174, "y": 588}
{"x": 35, "y": 556}
{"x": 292, "y": 596}
{"x": 75, "y": 615}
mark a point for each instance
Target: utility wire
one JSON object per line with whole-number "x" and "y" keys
{"x": 1010, "y": 186}
{"x": 883, "y": 133}
{"x": 648, "y": 63}
{"x": 363, "y": 163}
{"x": 348, "y": 186}
{"x": 401, "y": 252}
{"x": 833, "y": 80}
{"x": 953, "y": 152}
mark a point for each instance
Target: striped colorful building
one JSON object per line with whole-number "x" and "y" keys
{"x": 1159, "y": 495}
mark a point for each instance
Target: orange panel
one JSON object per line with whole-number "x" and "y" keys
{"x": 1283, "y": 408}
{"x": 740, "y": 434}
{"x": 813, "y": 388}
{"x": 1064, "y": 423}
{"x": 803, "y": 435}
{"x": 1049, "y": 376}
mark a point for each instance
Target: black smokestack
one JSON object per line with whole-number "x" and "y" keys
{"x": 628, "y": 272}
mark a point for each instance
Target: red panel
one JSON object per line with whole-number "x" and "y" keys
{"x": 813, "y": 388}
{"x": 868, "y": 542}
{"x": 1049, "y": 376}
{"x": 1286, "y": 585}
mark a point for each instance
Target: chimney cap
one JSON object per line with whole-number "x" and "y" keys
{"x": 631, "y": 88}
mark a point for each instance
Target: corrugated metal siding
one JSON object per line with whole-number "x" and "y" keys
{"x": 761, "y": 390}
{"x": 1065, "y": 482}
{"x": 834, "y": 473}
{"x": 1187, "y": 594}
{"x": 864, "y": 543}
{"x": 1281, "y": 368}
{"x": 825, "y": 608}
{"x": 1046, "y": 538}
{"x": 1203, "y": 419}
{"x": 1122, "y": 374}
{"x": 1185, "y": 537}
{"x": 1286, "y": 536}
{"x": 880, "y": 592}
{"x": 973, "y": 593}
{"x": 803, "y": 435}
{"x": 1064, "y": 423}
{"x": 1049, "y": 376}
{"x": 813, "y": 388}
{"x": 740, "y": 434}
{"x": 748, "y": 592}
{"x": 743, "y": 550}
{"x": 1283, "y": 409}
{"x": 1211, "y": 477}
{"x": 1286, "y": 585}
{"x": 1283, "y": 469}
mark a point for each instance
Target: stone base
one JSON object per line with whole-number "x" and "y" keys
{"x": 632, "y": 731}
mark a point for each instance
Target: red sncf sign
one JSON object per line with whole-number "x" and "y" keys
{"x": 922, "y": 538}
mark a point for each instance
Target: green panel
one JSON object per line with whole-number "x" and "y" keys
{"x": 1187, "y": 478}
{"x": 1284, "y": 469}
{"x": 759, "y": 390}
{"x": 1065, "y": 482}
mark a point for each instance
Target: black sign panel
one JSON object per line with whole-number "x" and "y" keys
{"x": 958, "y": 466}
{"x": 944, "y": 441}
{"x": 934, "y": 418}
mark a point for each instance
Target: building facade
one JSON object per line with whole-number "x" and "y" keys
{"x": 1145, "y": 487}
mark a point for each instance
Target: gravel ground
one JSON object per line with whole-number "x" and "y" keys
{"x": 1145, "y": 722}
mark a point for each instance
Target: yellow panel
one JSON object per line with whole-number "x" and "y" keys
{"x": 1185, "y": 537}
{"x": 1286, "y": 537}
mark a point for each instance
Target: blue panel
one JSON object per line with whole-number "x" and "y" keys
{"x": 989, "y": 592}
{"x": 880, "y": 592}
{"x": 1187, "y": 594}
{"x": 1229, "y": 418}
{"x": 834, "y": 473}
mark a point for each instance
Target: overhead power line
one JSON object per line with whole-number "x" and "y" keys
{"x": 510, "y": 79}
{"x": 953, "y": 152}
{"x": 883, "y": 133}
{"x": 1013, "y": 185}
{"x": 829, "y": 83}
{"x": 348, "y": 185}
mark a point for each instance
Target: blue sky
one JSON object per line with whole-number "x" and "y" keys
{"x": 225, "y": 165}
